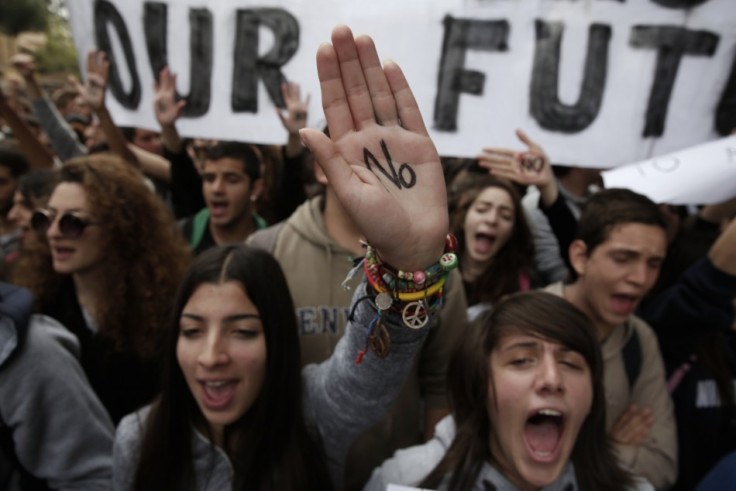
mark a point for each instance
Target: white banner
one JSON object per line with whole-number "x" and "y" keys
{"x": 597, "y": 83}
{"x": 704, "y": 174}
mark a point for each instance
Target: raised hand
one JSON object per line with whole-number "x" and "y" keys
{"x": 165, "y": 105}
{"x": 379, "y": 158}
{"x": 93, "y": 91}
{"x": 527, "y": 167}
{"x": 294, "y": 117}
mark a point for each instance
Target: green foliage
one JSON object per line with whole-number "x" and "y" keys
{"x": 23, "y": 15}
{"x": 59, "y": 54}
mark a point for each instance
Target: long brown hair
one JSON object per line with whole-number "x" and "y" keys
{"x": 269, "y": 445}
{"x": 548, "y": 317}
{"x": 144, "y": 254}
{"x": 514, "y": 258}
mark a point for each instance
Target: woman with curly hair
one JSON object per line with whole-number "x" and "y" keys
{"x": 108, "y": 269}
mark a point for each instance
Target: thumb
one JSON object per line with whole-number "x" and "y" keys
{"x": 326, "y": 154}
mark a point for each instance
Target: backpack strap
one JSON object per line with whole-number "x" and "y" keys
{"x": 199, "y": 223}
{"x": 632, "y": 358}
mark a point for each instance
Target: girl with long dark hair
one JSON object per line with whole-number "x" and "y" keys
{"x": 495, "y": 246}
{"x": 526, "y": 388}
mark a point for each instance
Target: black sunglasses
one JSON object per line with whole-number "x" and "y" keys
{"x": 71, "y": 225}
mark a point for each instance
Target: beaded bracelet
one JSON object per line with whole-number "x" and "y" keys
{"x": 379, "y": 273}
{"x": 415, "y": 296}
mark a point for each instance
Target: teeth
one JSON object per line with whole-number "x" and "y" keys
{"x": 219, "y": 383}
{"x": 549, "y": 412}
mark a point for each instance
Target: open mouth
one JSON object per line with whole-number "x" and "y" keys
{"x": 218, "y": 207}
{"x": 62, "y": 252}
{"x": 218, "y": 393}
{"x": 624, "y": 304}
{"x": 484, "y": 242}
{"x": 543, "y": 432}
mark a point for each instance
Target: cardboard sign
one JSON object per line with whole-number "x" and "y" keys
{"x": 597, "y": 83}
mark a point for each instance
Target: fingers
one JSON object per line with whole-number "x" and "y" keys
{"x": 633, "y": 426}
{"x": 524, "y": 138}
{"x": 500, "y": 152}
{"x": 104, "y": 66}
{"x": 384, "y": 105}
{"x": 91, "y": 60}
{"x": 406, "y": 104}
{"x": 334, "y": 101}
{"x": 527, "y": 141}
{"x": 353, "y": 78}
{"x": 357, "y": 91}
{"x": 164, "y": 82}
{"x": 501, "y": 169}
{"x": 97, "y": 67}
{"x": 75, "y": 82}
{"x": 327, "y": 155}
{"x": 500, "y": 162}
{"x": 284, "y": 120}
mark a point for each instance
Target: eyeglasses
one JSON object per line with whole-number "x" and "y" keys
{"x": 71, "y": 225}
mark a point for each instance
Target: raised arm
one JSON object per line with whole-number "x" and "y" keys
{"x": 532, "y": 168}
{"x": 62, "y": 136}
{"x": 294, "y": 118}
{"x": 93, "y": 92}
{"x": 185, "y": 182}
{"x": 34, "y": 151}
{"x": 387, "y": 175}
{"x": 168, "y": 109}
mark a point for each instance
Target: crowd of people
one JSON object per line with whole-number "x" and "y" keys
{"x": 182, "y": 313}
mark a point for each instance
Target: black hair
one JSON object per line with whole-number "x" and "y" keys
{"x": 548, "y": 317}
{"x": 238, "y": 151}
{"x": 16, "y": 163}
{"x": 269, "y": 446}
{"x": 37, "y": 185}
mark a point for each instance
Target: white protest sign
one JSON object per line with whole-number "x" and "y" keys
{"x": 597, "y": 83}
{"x": 703, "y": 174}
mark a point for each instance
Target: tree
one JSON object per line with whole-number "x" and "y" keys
{"x": 23, "y": 15}
{"x": 59, "y": 54}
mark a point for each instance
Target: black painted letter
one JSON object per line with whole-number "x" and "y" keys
{"x": 679, "y": 4}
{"x": 672, "y": 42}
{"x": 462, "y": 35}
{"x": 249, "y": 68}
{"x": 544, "y": 102}
{"x": 155, "y": 26}
{"x": 105, "y": 13}
{"x": 726, "y": 112}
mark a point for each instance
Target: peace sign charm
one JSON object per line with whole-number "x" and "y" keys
{"x": 415, "y": 315}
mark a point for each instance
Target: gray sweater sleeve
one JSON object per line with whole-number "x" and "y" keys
{"x": 61, "y": 431}
{"x": 126, "y": 450}
{"x": 342, "y": 398}
{"x": 547, "y": 255}
{"x": 62, "y": 137}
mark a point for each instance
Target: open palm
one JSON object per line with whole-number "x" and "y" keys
{"x": 379, "y": 158}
